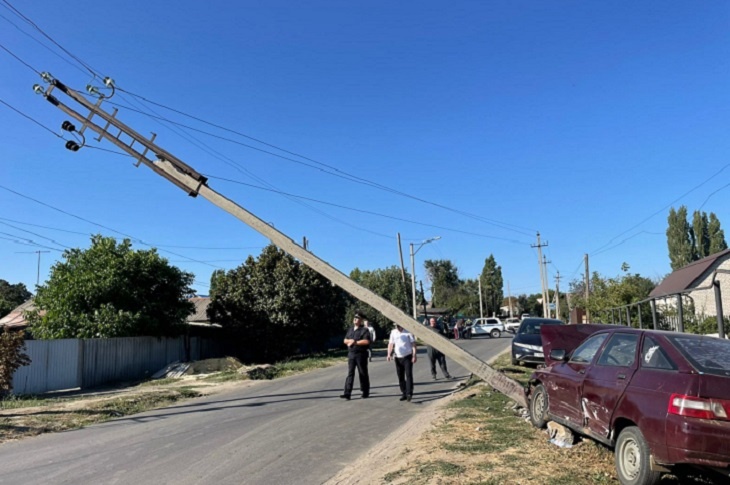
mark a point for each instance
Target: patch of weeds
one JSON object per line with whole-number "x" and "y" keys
{"x": 392, "y": 476}
{"x": 160, "y": 382}
{"x": 485, "y": 467}
{"x": 225, "y": 376}
{"x": 26, "y": 401}
{"x": 442, "y": 468}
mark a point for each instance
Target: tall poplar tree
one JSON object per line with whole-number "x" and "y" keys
{"x": 701, "y": 236}
{"x": 716, "y": 235}
{"x": 492, "y": 285}
{"x": 679, "y": 238}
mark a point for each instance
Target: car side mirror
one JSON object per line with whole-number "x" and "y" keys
{"x": 558, "y": 354}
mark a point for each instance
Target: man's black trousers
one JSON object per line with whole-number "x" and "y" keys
{"x": 404, "y": 369}
{"x": 359, "y": 360}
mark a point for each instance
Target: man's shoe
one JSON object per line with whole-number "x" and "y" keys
{"x": 448, "y": 376}
{"x": 434, "y": 377}
{"x": 403, "y": 398}
{"x": 345, "y": 396}
{"x": 409, "y": 397}
{"x": 365, "y": 396}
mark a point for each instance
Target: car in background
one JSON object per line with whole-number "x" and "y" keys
{"x": 487, "y": 326}
{"x": 512, "y": 324}
{"x": 661, "y": 399}
{"x": 527, "y": 343}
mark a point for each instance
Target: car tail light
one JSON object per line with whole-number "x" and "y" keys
{"x": 697, "y": 407}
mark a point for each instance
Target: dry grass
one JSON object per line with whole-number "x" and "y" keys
{"x": 480, "y": 439}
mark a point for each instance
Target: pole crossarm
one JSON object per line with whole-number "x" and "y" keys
{"x": 192, "y": 182}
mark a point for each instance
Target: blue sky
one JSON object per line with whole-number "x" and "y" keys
{"x": 585, "y": 121}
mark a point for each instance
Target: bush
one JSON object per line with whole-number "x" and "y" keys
{"x": 11, "y": 358}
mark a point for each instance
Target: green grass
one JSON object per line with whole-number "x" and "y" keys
{"x": 160, "y": 382}
{"x": 441, "y": 468}
{"x": 28, "y": 401}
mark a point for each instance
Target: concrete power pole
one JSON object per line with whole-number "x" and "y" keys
{"x": 195, "y": 184}
{"x": 539, "y": 247}
{"x": 557, "y": 295}
{"x": 547, "y": 283}
{"x": 587, "y": 290}
{"x": 481, "y": 306}
{"x": 509, "y": 299}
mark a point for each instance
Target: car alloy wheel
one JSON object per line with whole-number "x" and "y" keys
{"x": 495, "y": 333}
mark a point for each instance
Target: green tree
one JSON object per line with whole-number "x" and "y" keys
{"x": 679, "y": 238}
{"x": 386, "y": 283}
{"x": 715, "y": 235}
{"x": 12, "y": 296}
{"x": 11, "y": 358}
{"x": 444, "y": 278}
{"x": 701, "y": 235}
{"x": 215, "y": 276}
{"x": 273, "y": 307}
{"x": 611, "y": 293}
{"x": 492, "y": 286}
{"x": 111, "y": 290}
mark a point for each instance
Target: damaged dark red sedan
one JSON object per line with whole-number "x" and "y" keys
{"x": 661, "y": 399}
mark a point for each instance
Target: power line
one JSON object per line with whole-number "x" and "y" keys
{"x": 35, "y": 26}
{"x": 102, "y": 226}
{"x": 32, "y": 119}
{"x": 339, "y": 206}
{"x": 599, "y": 250}
{"x": 331, "y": 170}
{"x": 19, "y": 59}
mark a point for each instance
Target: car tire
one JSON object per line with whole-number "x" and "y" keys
{"x": 633, "y": 457}
{"x": 539, "y": 406}
{"x": 495, "y": 333}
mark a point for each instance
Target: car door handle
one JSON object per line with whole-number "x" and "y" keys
{"x": 621, "y": 376}
{"x": 582, "y": 371}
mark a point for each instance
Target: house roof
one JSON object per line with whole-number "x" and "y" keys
{"x": 15, "y": 318}
{"x": 201, "y": 306}
{"x": 689, "y": 276}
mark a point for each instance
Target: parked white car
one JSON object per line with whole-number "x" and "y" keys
{"x": 512, "y": 324}
{"x": 487, "y": 326}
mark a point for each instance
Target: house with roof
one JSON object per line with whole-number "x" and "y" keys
{"x": 696, "y": 283}
{"x": 15, "y": 320}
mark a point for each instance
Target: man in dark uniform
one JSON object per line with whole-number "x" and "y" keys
{"x": 435, "y": 356}
{"x": 357, "y": 340}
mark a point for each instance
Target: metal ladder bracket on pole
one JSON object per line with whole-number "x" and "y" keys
{"x": 195, "y": 184}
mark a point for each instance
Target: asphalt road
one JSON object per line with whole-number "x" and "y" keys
{"x": 291, "y": 430}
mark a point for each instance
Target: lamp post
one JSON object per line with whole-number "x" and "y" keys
{"x": 413, "y": 271}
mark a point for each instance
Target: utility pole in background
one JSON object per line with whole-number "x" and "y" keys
{"x": 557, "y": 295}
{"x": 481, "y": 306}
{"x": 195, "y": 184}
{"x": 587, "y": 290}
{"x": 539, "y": 247}
{"x": 38, "y": 271}
{"x": 509, "y": 300}
{"x": 403, "y": 271}
{"x": 546, "y": 282}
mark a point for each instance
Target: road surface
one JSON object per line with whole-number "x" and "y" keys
{"x": 290, "y": 430}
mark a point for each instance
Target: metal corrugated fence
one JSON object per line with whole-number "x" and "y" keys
{"x": 75, "y": 363}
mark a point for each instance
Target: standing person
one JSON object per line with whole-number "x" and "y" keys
{"x": 357, "y": 340}
{"x": 371, "y": 329}
{"x": 403, "y": 345}
{"x": 436, "y": 356}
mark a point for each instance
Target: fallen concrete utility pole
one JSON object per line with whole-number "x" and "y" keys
{"x": 186, "y": 178}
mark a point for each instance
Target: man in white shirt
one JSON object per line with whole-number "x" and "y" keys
{"x": 403, "y": 345}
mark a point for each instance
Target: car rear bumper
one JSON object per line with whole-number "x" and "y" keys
{"x": 698, "y": 441}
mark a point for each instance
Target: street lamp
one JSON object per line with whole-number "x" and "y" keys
{"x": 413, "y": 271}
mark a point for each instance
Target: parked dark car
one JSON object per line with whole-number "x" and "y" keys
{"x": 527, "y": 344}
{"x": 662, "y": 399}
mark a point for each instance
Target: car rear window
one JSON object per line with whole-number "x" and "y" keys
{"x": 707, "y": 354}
{"x": 533, "y": 328}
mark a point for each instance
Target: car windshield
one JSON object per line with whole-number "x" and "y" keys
{"x": 707, "y": 354}
{"x": 533, "y": 328}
